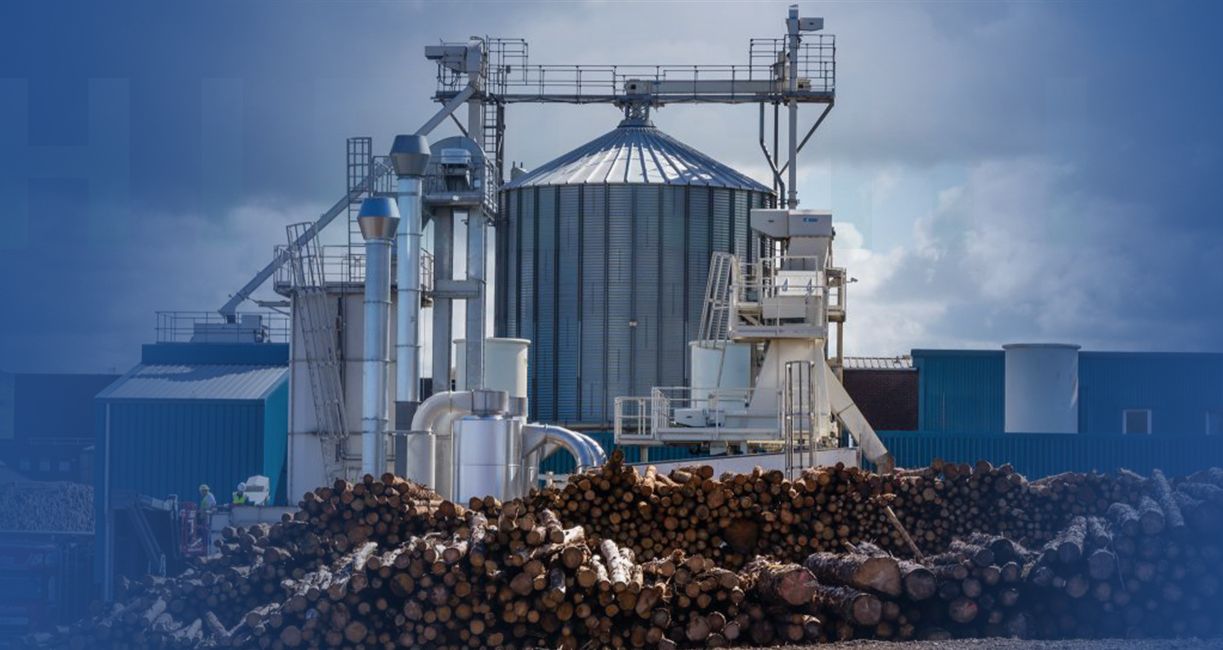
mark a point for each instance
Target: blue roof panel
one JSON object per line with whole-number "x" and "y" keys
{"x": 196, "y": 382}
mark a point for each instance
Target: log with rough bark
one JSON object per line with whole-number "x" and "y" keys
{"x": 880, "y": 574}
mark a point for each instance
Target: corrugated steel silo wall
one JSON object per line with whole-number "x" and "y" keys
{"x": 961, "y": 391}
{"x": 593, "y": 370}
{"x": 607, "y": 281}
{"x": 1179, "y": 389}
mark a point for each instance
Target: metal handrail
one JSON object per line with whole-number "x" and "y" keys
{"x": 180, "y": 326}
{"x": 519, "y": 81}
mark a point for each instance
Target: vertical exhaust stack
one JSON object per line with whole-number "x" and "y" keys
{"x": 410, "y": 156}
{"x": 378, "y": 219}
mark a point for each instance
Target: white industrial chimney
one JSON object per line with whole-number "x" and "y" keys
{"x": 1042, "y": 388}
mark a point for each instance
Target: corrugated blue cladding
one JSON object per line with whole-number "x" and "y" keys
{"x": 1044, "y": 454}
{"x": 276, "y": 441}
{"x": 961, "y": 391}
{"x": 1181, "y": 390}
{"x": 159, "y": 448}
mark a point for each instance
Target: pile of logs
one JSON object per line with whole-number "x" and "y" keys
{"x": 621, "y": 558}
{"x": 46, "y": 506}
{"x": 1147, "y": 569}
{"x": 737, "y": 516}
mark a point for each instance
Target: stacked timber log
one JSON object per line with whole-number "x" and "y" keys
{"x": 624, "y": 558}
{"x": 1150, "y": 569}
{"x": 736, "y": 516}
{"x": 51, "y": 506}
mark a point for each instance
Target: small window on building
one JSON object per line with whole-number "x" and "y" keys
{"x": 44, "y": 465}
{"x": 24, "y": 465}
{"x": 1136, "y": 421}
{"x": 65, "y": 466}
{"x": 1214, "y": 423}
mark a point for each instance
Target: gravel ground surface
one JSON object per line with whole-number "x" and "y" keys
{"x": 1015, "y": 644}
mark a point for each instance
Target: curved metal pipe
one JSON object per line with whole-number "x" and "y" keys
{"x": 585, "y": 451}
{"x": 437, "y": 415}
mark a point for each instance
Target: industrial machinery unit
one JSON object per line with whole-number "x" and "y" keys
{"x": 351, "y": 398}
{"x": 760, "y": 376}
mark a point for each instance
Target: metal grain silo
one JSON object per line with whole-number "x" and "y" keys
{"x": 602, "y": 264}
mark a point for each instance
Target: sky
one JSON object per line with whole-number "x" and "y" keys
{"x": 999, "y": 172}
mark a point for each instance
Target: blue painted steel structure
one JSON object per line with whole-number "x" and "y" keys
{"x": 1183, "y": 391}
{"x": 195, "y": 413}
{"x": 1043, "y": 454}
{"x": 962, "y": 391}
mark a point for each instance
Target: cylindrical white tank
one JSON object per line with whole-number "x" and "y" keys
{"x": 722, "y": 366}
{"x": 505, "y": 365}
{"x": 1042, "y": 388}
{"x": 487, "y": 457}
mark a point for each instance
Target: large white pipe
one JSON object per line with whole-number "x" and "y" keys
{"x": 410, "y": 156}
{"x": 378, "y": 219}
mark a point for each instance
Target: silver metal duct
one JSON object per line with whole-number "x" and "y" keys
{"x": 585, "y": 451}
{"x": 443, "y": 270}
{"x": 378, "y": 219}
{"x": 437, "y": 415}
{"x": 477, "y": 225}
{"x": 410, "y": 156}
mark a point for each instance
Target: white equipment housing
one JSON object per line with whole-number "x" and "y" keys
{"x": 774, "y": 316}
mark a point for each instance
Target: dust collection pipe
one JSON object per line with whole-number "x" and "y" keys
{"x": 436, "y": 415}
{"x": 378, "y": 219}
{"x": 585, "y": 451}
{"x": 410, "y": 157}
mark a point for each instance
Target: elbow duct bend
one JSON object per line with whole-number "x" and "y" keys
{"x": 455, "y": 402}
{"x": 585, "y": 451}
{"x": 437, "y": 416}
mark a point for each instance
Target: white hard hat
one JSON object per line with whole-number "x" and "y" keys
{"x": 242, "y": 487}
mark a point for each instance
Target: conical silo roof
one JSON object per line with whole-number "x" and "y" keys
{"x": 636, "y": 152}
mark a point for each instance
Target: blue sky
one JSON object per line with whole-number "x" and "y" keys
{"x": 1001, "y": 171}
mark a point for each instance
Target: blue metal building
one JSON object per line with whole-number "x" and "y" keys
{"x": 190, "y": 413}
{"x": 1138, "y": 410}
{"x": 194, "y": 413}
{"x": 962, "y": 391}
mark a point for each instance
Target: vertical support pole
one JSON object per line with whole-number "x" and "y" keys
{"x": 108, "y": 518}
{"x": 474, "y": 333}
{"x": 443, "y": 269}
{"x": 792, "y": 103}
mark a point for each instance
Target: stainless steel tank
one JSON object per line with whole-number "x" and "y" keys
{"x": 487, "y": 458}
{"x": 602, "y": 265}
